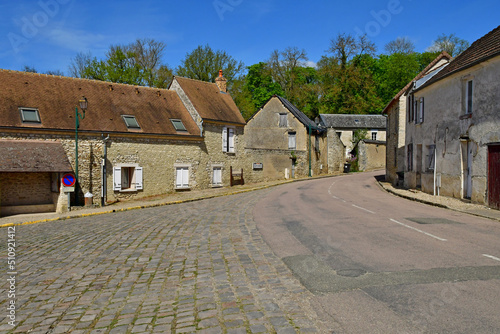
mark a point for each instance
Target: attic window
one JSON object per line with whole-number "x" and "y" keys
{"x": 30, "y": 115}
{"x": 131, "y": 122}
{"x": 178, "y": 125}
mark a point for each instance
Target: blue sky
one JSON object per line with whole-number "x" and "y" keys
{"x": 46, "y": 34}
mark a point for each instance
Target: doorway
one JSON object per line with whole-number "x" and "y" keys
{"x": 494, "y": 176}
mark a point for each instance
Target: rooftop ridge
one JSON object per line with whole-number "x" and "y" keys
{"x": 83, "y": 79}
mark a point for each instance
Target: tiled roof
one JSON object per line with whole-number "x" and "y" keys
{"x": 56, "y": 98}
{"x": 32, "y": 156}
{"x": 210, "y": 102}
{"x": 441, "y": 56}
{"x": 481, "y": 50}
{"x": 342, "y": 121}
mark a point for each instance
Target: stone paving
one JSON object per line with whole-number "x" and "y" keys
{"x": 198, "y": 267}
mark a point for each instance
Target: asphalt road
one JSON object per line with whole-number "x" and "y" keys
{"x": 377, "y": 263}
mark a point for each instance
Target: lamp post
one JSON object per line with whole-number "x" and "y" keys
{"x": 83, "y": 105}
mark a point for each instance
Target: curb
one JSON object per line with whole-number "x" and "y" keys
{"x": 413, "y": 198}
{"x": 84, "y": 215}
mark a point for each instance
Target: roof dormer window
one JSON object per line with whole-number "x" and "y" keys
{"x": 131, "y": 122}
{"x": 178, "y": 125}
{"x": 30, "y": 115}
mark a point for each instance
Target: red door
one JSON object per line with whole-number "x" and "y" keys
{"x": 494, "y": 176}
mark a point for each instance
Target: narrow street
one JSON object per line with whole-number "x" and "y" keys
{"x": 382, "y": 264}
{"x": 330, "y": 255}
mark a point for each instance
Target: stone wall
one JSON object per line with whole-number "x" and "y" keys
{"x": 336, "y": 152}
{"x": 372, "y": 156}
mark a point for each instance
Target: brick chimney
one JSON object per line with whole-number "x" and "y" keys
{"x": 221, "y": 82}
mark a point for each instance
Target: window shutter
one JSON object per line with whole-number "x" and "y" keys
{"x": 138, "y": 178}
{"x": 231, "y": 140}
{"x": 185, "y": 177}
{"x": 292, "y": 143}
{"x": 178, "y": 178}
{"x": 224, "y": 139}
{"x": 421, "y": 110}
{"x": 217, "y": 177}
{"x": 117, "y": 178}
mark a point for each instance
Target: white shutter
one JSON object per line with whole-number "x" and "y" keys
{"x": 224, "y": 139}
{"x": 231, "y": 140}
{"x": 217, "y": 177}
{"x": 138, "y": 178}
{"x": 178, "y": 178}
{"x": 117, "y": 178}
{"x": 185, "y": 177}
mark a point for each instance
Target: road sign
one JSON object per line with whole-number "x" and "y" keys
{"x": 68, "y": 181}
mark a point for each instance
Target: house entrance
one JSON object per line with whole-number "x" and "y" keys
{"x": 494, "y": 176}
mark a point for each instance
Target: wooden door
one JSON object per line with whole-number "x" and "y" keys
{"x": 494, "y": 176}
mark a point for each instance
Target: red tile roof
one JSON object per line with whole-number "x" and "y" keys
{"x": 481, "y": 50}
{"x": 210, "y": 102}
{"x": 56, "y": 98}
{"x": 33, "y": 156}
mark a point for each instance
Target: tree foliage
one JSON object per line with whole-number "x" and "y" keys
{"x": 138, "y": 63}
{"x": 204, "y": 64}
{"x": 449, "y": 43}
{"x": 402, "y": 45}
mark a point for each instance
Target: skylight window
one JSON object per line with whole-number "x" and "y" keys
{"x": 131, "y": 122}
{"x": 178, "y": 125}
{"x": 30, "y": 115}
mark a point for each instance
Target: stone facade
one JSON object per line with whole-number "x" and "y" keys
{"x": 371, "y": 155}
{"x": 397, "y": 113}
{"x": 448, "y": 150}
{"x": 267, "y": 140}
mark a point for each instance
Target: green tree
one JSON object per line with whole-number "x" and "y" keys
{"x": 138, "y": 63}
{"x": 347, "y": 84}
{"x": 393, "y": 72}
{"x": 260, "y": 84}
{"x": 204, "y": 64}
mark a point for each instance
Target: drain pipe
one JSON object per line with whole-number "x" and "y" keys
{"x": 104, "y": 179}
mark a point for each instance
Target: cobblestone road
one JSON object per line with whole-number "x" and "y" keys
{"x": 194, "y": 267}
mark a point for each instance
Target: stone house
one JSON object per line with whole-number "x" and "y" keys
{"x": 370, "y": 150}
{"x": 453, "y": 136}
{"x": 220, "y": 123}
{"x": 284, "y": 143}
{"x": 133, "y": 141}
{"x": 397, "y": 115}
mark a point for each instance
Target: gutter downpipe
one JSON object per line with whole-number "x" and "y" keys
{"x": 435, "y": 172}
{"x": 310, "y": 157}
{"x": 104, "y": 186}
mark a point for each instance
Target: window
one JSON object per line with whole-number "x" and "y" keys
{"x": 283, "y": 122}
{"x": 228, "y": 140}
{"x": 131, "y": 122}
{"x": 292, "y": 140}
{"x": 469, "y": 92}
{"x": 178, "y": 125}
{"x": 217, "y": 176}
{"x": 127, "y": 178}
{"x": 182, "y": 177}
{"x": 30, "y": 115}
{"x": 409, "y": 157}
{"x": 374, "y": 134}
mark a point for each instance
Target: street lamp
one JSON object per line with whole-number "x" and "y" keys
{"x": 83, "y": 105}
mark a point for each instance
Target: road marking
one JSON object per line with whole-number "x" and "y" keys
{"x": 330, "y": 193}
{"x": 416, "y": 229}
{"x": 492, "y": 257}
{"x": 363, "y": 209}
